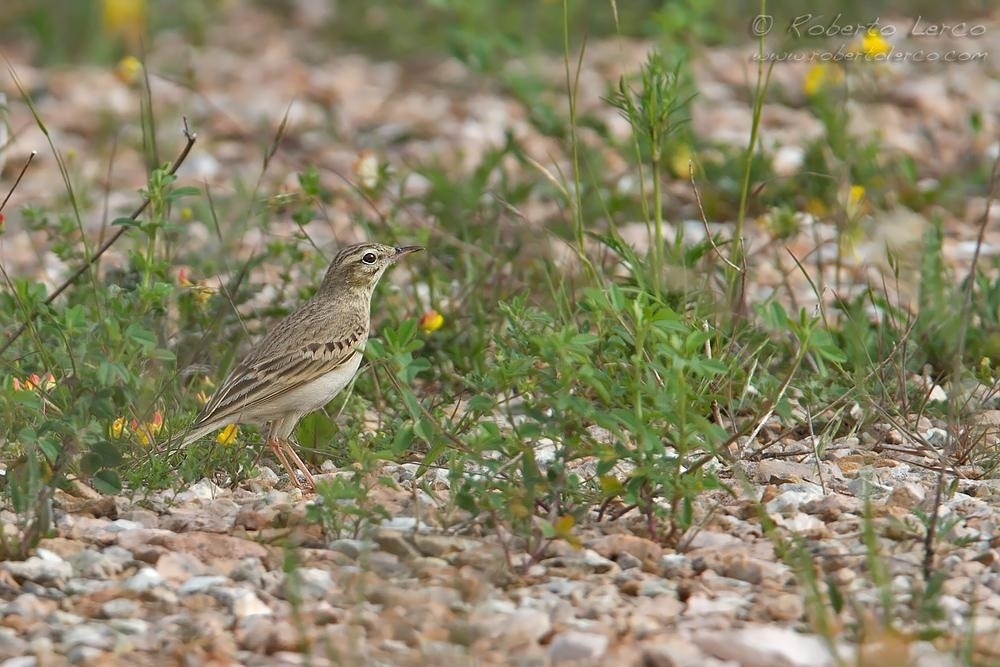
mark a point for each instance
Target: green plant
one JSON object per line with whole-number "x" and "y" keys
{"x": 76, "y": 380}
{"x": 344, "y": 505}
{"x": 654, "y": 113}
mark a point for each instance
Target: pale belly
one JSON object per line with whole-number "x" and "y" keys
{"x": 314, "y": 395}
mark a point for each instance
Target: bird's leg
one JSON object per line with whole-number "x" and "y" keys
{"x": 278, "y": 435}
{"x": 300, "y": 464}
{"x": 276, "y": 446}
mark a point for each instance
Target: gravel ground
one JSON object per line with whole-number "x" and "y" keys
{"x": 219, "y": 576}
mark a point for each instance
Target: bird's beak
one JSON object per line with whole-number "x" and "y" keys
{"x": 406, "y": 250}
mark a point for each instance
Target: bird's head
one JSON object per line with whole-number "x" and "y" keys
{"x": 360, "y": 266}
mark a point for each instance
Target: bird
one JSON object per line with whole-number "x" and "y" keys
{"x": 306, "y": 359}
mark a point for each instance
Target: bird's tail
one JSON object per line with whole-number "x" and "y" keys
{"x": 195, "y": 432}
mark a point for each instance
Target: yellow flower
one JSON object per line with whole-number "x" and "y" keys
{"x": 146, "y": 434}
{"x": 431, "y": 321}
{"x": 227, "y": 436}
{"x": 874, "y": 45}
{"x": 682, "y": 162}
{"x": 128, "y": 70}
{"x": 816, "y": 208}
{"x": 157, "y": 424}
{"x": 821, "y": 77}
{"x": 124, "y": 18}
{"x": 117, "y": 429}
{"x": 47, "y": 383}
{"x": 855, "y": 200}
{"x": 35, "y": 383}
{"x": 201, "y": 292}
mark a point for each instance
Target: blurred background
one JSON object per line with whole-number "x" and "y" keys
{"x": 475, "y": 31}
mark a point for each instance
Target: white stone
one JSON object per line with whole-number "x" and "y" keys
{"x": 597, "y": 562}
{"x": 202, "y": 583}
{"x": 45, "y": 568}
{"x": 788, "y": 160}
{"x": 119, "y": 608}
{"x": 767, "y": 646}
{"x": 576, "y": 646}
{"x": 788, "y": 503}
{"x": 312, "y": 583}
{"x": 249, "y": 604}
{"x": 96, "y": 636}
{"x": 130, "y": 626}
{"x": 800, "y": 524}
{"x": 524, "y": 626}
{"x": 405, "y": 524}
{"x": 206, "y": 489}
{"x": 908, "y": 495}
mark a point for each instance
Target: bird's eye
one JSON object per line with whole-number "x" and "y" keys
{"x": 369, "y": 258}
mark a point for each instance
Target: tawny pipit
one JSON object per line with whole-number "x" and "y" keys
{"x": 307, "y": 359}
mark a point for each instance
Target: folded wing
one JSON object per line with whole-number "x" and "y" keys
{"x": 259, "y": 381}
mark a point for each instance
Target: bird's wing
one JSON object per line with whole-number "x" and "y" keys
{"x": 260, "y": 379}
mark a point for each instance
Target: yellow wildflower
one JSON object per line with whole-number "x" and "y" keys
{"x": 431, "y": 321}
{"x": 874, "y": 45}
{"x": 47, "y": 383}
{"x": 816, "y": 208}
{"x": 157, "y": 424}
{"x": 822, "y": 77}
{"x": 124, "y": 18}
{"x": 141, "y": 434}
{"x": 855, "y": 200}
{"x": 681, "y": 161}
{"x": 128, "y": 70}
{"x": 227, "y": 436}
{"x": 201, "y": 292}
{"x": 146, "y": 434}
{"x": 117, "y": 429}
{"x": 35, "y": 383}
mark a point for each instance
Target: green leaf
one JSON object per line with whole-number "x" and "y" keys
{"x": 107, "y": 482}
{"x": 423, "y": 429}
{"x": 50, "y": 449}
{"x": 481, "y": 403}
{"x": 375, "y": 349}
{"x": 161, "y": 354}
{"x": 436, "y": 451}
{"x": 146, "y": 339}
{"x": 107, "y": 452}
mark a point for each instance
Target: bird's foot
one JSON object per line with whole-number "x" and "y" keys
{"x": 283, "y": 451}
